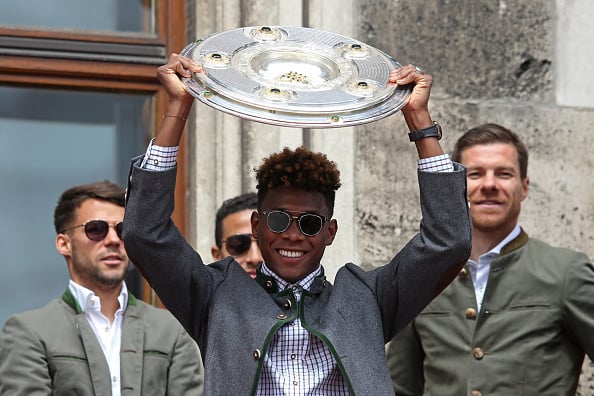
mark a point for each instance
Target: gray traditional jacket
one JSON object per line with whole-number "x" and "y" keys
{"x": 54, "y": 351}
{"x": 536, "y": 322}
{"x": 233, "y": 318}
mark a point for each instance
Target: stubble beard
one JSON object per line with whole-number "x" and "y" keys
{"x": 91, "y": 271}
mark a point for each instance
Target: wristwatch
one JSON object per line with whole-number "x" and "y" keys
{"x": 432, "y": 131}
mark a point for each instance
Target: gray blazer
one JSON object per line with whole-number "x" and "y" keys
{"x": 54, "y": 351}
{"x": 233, "y": 318}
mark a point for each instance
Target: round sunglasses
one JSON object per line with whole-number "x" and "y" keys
{"x": 238, "y": 244}
{"x": 279, "y": 221}
{"x": 96, "y": 230}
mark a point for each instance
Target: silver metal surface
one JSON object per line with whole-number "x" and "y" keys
{"x": 295, "y": 77}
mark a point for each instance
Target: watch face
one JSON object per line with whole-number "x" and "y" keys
{"x": 294, "y": 76}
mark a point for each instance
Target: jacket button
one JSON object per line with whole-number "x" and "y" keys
{"x": 463, "y": 273}
{"x": 256, "y": 354}
{"x": 478, "y": 353}
{"x": 470, "y": 313}
{"x": 281, "y": 316}
{"x": 287, "y": 304}
{"x": 269, "y": 284}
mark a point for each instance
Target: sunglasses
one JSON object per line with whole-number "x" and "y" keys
{"x": 96, "y": 230}
{"x": 279, "y": 221}
{"x": 238, "y": 244}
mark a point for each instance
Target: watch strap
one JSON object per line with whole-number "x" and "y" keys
{"x": 431, "y": 131}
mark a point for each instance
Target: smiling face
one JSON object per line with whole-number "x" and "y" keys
{"x": 291, "y": 254}
{"x": 495, "y": 187}
{"x": 96, "y": 265}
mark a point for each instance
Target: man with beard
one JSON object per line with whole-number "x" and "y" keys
{"x": 98, "y": 338}
{"x": 518, "y": 320}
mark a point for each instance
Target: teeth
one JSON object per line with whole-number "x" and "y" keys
{"x": 290, "y": 253}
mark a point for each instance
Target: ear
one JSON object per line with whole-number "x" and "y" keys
{"x": 525, "y": 184}
{"x": 216, "y": 253}
{"x": 63, "y": 245}
{"x": 255, "y": 221}
{"x": 332, "y": 229}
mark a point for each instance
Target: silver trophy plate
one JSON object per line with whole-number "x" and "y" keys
{"x": 295, "y": 77}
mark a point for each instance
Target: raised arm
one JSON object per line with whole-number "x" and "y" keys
{"x": 416, "y": 111}
{"x": 179, "y": 100}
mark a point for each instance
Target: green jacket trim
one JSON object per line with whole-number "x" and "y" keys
{"x": 69, "y": 299}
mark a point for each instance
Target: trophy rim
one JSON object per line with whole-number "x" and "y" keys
{"x": 294, "y": 76}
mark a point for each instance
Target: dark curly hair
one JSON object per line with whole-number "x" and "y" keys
{"x": 299, "y": 168}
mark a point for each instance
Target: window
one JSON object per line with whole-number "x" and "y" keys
{"x": 78, "y": 99}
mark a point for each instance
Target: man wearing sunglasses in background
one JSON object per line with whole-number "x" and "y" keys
{"x": 98, "y": 339}
{"x": 290, "y": 331}
{"x": 233, "y": 232}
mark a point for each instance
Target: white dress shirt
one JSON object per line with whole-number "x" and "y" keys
{"x": 480, "y": 271}
{"x": 108, "y": 334}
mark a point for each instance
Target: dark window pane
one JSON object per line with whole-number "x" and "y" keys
{"x": 88, "y": 15}
{"x": 52, "y": 140}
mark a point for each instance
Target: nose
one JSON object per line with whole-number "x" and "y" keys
{"x": 293, "y": 232}
{"x": 253, "y": 255}
{"x": 112, "y": 237}
{"x": 489, "y": 182}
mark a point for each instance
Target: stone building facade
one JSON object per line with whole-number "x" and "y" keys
{"x": 528, "y": 65}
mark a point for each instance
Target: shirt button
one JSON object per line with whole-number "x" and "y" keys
{"x": 114, "y": 379}
{"x": 293, "y": 356}
{"x": 478, "y": 353}
{"x": 295, "y": 383}
{"x": 256, "y": 354}
{"x": 107, "y": 329}
{"x": 156, "y": 161}
{"x": 470, "y": 313}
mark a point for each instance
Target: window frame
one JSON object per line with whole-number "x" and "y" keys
{"x": 112, "y": 61}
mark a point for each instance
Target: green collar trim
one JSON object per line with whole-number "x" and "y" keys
{"x": 270, "y": 284}
{"x": 69, "y": 298}
{"x": 515, "y": 244}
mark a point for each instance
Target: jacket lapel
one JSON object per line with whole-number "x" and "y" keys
{"x": 131, "y": 354}
{"x": 96, "y": 359}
